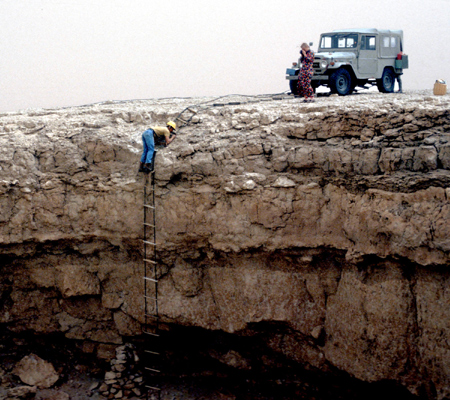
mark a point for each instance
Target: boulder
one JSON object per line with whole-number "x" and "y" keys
{"x": 35, "y": 371}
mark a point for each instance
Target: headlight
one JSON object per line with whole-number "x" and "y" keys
{"x": 323, "y": 64}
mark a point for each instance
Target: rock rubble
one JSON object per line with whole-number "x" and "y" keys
{"x": 124, "y": 380}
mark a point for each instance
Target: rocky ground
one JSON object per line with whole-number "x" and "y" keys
{"x": 74, "y": 375}
{"x": 313, "y": 236}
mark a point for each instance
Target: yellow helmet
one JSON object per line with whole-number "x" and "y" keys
{"x": 173, "y": 125}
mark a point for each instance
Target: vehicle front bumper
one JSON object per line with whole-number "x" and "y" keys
{"x": 292, "y": 74}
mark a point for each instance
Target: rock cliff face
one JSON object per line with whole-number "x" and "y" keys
{"x": 328, "y": 222}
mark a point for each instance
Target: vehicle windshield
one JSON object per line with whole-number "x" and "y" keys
{"x": 339, "y": 41}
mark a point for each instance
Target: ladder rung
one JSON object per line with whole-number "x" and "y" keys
{"x": 152, "y": 226}
{"x": 150, "y": 279}
{"x": 182, "y": 120}
{"x": 149, "y": 206}
{"x": 152, "y": 388}
{"x": 152, "y": 352}
{"x": 152, "y": 369}
{"x": 192, "y": 111}
{"x": 150, "y": 261}
{"x": 151, "y": 334}
{"x": 150, "y": 298}
{"x": 152, "y": 316}
{"x": 147, "y": 242}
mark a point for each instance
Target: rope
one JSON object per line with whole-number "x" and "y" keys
{"x": 204, "y": 105}
{"x": 169, "y": 98}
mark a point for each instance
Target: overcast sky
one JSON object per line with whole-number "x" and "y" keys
{"x": 57, "y": 53}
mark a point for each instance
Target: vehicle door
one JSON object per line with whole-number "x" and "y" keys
{"x": 368, "y": 60}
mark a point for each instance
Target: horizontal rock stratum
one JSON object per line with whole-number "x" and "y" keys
{"x": 328, "y": 220}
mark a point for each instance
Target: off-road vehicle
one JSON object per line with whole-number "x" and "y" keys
{"x": 355, "y": 57}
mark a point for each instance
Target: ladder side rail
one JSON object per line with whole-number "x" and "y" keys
{"x": 151, "y": 276}
{"x": 155, "y": 265}
{"x": 145, "y": 250}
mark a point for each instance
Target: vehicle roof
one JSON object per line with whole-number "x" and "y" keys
{"x": 367, "y": 30}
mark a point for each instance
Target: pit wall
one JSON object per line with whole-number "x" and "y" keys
{"x": 328, "y": 220}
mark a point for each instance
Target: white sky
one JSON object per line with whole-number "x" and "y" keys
{"x": 57, "y": 53}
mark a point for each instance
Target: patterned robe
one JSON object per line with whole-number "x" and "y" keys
{"x": 304, "y": 77}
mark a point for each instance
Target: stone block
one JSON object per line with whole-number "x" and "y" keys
{"x": 126, "y": 325}
{"x": 425, "y": 159}
{"x": 373, "y": 315}
{"x": 35, "y": 371}
{"x": 21, "y": 392}
{"x": 75, "y": 280}
{"x": 444, "y": 156}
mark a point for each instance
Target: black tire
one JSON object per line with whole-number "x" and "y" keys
{"x": 387, "y": 82}
{"x": 293, "y": 85}
{"x": 341, "y": 82}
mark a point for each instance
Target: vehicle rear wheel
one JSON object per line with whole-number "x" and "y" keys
{"x": 293, "y": 85}
{"x": 341, "y": 82}
{"x": 387, "y": 81}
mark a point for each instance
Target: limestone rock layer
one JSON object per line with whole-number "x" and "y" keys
{"x": 330, "y": 220}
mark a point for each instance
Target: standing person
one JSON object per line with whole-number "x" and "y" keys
{"x": 304, "y": 77}
{"x": 399, "y": 76}
{"x": 149, "y": 137}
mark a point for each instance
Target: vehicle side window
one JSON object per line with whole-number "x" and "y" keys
{"x": 367, "y": 42}
{"x": 389, "y": 46}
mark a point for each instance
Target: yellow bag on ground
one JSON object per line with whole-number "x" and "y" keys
{"x": 440, "y": 87}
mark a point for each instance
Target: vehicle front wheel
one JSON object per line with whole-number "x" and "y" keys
{"x": 293, "y": 85}
{"x": 341, "y": 82}
{"x": 387, "y": 81}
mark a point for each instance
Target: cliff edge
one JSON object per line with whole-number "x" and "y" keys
{"x": 320, "y": 228}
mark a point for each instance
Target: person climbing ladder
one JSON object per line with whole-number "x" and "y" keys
{"x": 156, "y": 134}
